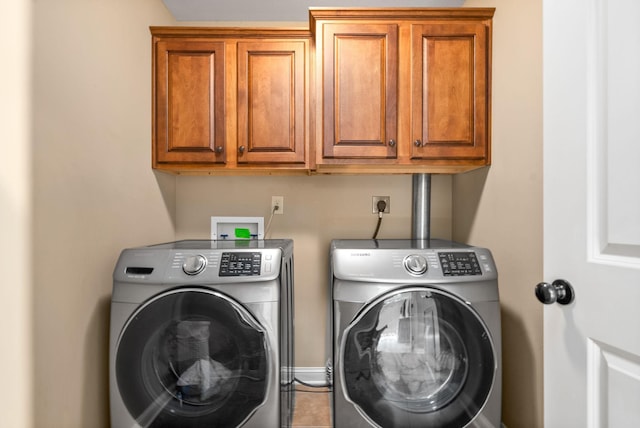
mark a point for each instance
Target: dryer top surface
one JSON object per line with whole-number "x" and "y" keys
{"x": 395, "y": 244}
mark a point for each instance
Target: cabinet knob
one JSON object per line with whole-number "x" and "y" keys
{"x": 392, "y": 143}
{"x": 241, "y": 149}
{"x": 219, "y": 149}
{"x": 417, "y": 143}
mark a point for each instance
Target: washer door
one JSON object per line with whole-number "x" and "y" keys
{"x": 417, "y": 357}
{"x": 192, "y": 358}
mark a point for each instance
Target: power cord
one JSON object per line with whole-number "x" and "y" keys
{"x": 382, "y": 205}
{"x": 266, "y": 232}
{"x": 311, "y": 385}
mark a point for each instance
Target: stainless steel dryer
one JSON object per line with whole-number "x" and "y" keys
{"x": 415, "y": 335}
{"x": 202, "y": 335}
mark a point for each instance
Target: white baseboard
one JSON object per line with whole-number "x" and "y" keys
{"x": 316, "y": 376}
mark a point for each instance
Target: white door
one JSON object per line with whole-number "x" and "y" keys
{"x": 592, "y": 211}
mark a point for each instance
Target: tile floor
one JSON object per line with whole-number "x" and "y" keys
{"x": 312, "y": 408}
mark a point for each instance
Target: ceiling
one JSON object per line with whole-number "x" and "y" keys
{"x": 278, "y": 10}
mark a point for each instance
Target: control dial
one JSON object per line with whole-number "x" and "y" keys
{"x": 194, "y": 265}
{"x": 415, "y": 264}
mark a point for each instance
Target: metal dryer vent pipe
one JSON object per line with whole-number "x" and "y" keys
{"x": 421, "y": 207}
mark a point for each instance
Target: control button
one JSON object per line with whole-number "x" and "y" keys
{"x": 415, "y": 264}
{"x": 194, "y": 265}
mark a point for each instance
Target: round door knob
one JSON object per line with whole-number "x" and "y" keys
{"x": 558, "y": 291}
{"x": 392, "y": 143}
{"x": 417, "y": 143}
{"x": 219, "y": 149}
{"x": 193, "y": 265}
{"x": 241, "y": 149}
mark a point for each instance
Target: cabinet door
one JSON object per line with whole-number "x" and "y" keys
{"x": 272, "y": 100}
{"x": 450, "y": 111}
{"x": 360, "y": 90}
{"x": 189, "y": 105}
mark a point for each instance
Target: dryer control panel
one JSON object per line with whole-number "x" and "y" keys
{"x": 458, "y": 263}
{"x": 408, "y": 262}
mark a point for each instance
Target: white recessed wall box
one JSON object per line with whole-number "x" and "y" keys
{"x": 237, "y": 228}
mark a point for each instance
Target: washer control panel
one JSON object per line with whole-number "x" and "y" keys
{"x": 205, "y": 262}
{"x": 240, "y": 263}
{"x": 459, "y": 263}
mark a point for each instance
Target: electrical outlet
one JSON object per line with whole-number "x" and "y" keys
{"x": 277, "y": 204}
{"x": 386, "y": 199}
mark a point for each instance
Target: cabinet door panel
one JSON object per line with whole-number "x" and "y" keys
{"x": 190, "y": 124}
{"x": 449, "y": 93}
{"x": 360, "y": 90}
{"x": 272, "y": 102}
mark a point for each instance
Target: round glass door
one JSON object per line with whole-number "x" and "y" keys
{"x": 192, "y": 358}
{"x": 417, "y": 357}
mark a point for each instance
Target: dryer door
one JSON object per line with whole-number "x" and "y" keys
{"x": 192, "y": 358}
{"x": 417, "y": 357}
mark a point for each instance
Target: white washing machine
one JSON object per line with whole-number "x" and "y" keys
{"x": 202, "y": 335}
{"x": 415, "y": 335}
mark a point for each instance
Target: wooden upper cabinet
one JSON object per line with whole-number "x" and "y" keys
{"x": 371, "y": 90}
{"x": 359, "y": 92}
{"x": 449, "y": 100}
{"x": 402, "y": 89}
{"x": 189, "y": 107}
{"x": 272, "y": 102}
{"x": 230, "y": 100}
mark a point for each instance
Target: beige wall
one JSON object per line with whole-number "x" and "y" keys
{"x": 15, "y": 216}
{"x": 317, "y": 209}
{"x": 501, "y": 207}
{"x": 94, "y": 193}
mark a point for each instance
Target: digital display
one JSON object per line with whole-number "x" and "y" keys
{"x": 240, "y": 264}
{"x": 459, "y": 263}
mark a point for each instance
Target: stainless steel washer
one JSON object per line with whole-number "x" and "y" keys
{"x": 202, "y": 335}
{"x": 415, "y": 335}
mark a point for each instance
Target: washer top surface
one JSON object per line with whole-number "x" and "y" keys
{"x": 410, "y": 261}
{"x": 206, "y": 244}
